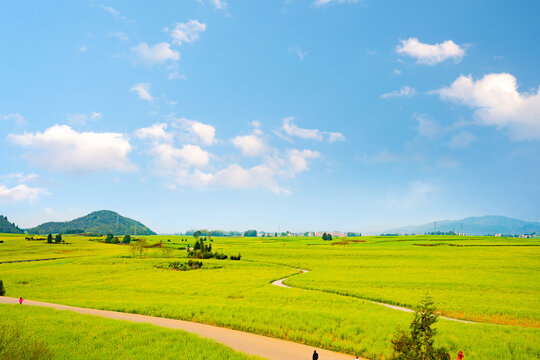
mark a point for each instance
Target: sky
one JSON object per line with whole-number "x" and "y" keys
{"x": 294, "y": 115}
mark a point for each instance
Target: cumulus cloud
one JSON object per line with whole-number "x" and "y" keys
{"x": 462, "y": 140}
{"x": 204, "y": 133}
{"x": 405, "y": 91}
{"x": 327, "y": 2}
{"x": 82, "y": 119}
{"x": 430, "y": 54}
{"x": 497, "y": 102}
{"x": 143, "y": 90}
{"x": 156, "y": 132}
{"x": 20, "y": 193}
{"x": 157, "y": 54}
{"x": 60, "y": 148}
{"x": 187, "y": 32}
{"x": 250, "y": 145}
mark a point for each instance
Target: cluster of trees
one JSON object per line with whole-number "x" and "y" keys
{"x": 57, "y": 239}
{"x": 203, "y": 251}
{"x": 250, "y": 233}
{"x": 111, "y": 239}
{"x": 326, "y": 236}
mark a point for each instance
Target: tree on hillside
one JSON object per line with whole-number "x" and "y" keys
{"x": 418, "y": 343}
{"x": 126, "y": 239}
{"x": 49, "y": 238}
{"x": 58, "y": 238}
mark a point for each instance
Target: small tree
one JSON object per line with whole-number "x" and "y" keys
{"x": 109, "y": 238}
{"x": 139, "y": 246}
{"x": 49, "y": 239}
{"x": 324, "y": 236}
{"x": 2, "y": 289}
{"x": 115, "y": 240}
{"x": 329, "y": 237}
{"x": 196, "y": 234}
{"x": 126, "y": 239}
{"x": 58, "y": 238}
{"x": 418, "y": 344}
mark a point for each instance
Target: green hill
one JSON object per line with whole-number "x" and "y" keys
{"x": 100, "y": 222}
{"x": 8, "y": 228}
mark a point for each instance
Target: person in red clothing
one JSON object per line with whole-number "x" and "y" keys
{"x": 460, "y": 355}
{"x": 20, "y": 300}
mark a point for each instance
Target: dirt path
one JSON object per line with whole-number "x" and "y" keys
{"x": 394, "y": 307}
{"x": 19, "y": 261}
{"x": 263, "y": 346}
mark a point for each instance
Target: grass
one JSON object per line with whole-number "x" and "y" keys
{"x": 495, "y": 284}
{"x": 42, "y": 333}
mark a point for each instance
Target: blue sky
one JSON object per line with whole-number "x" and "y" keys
{"x": 292, "y": 115}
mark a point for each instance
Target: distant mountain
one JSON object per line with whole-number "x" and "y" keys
{"x": 100, "y": 222}
{"x": 482, "y": 225}
{"x": 8, "y": 228}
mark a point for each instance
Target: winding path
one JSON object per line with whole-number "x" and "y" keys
{"x": 399, "y": 308}
{"x": 258, "y": 345}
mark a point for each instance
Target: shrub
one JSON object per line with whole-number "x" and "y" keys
{"x": 58, "y": 238}
{"x": 115, "y": 240}
{"x": 126, "y": 239}
{"x": 220, "y": 256}
{"x": 109, "y": 238}
{"x": 235, "y": 257}
{"x": 418, "y": 344}
{"x": 2, "y": 289}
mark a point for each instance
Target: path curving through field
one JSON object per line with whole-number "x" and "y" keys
{"x": 251, "y": 344}
{"x": 280, "y": 283}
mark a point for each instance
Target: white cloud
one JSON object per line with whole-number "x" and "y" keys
{"x": 18, "y": 118}
{"x": 157, "y": 54}
{"x": 220, "y": 5}
{"x": 462, "y": 140}
{"x": 405, "y": 91}
{"x": 296, "y": 50}
{"x": 426, "y": 126}
{"x": 82, "y": 119}
{"x": 187, "y": 32}
{"x": 111, "y": 11}
{"x": 291, "y": 129}
{"x": 298, "y": 159}
{"x": 83, "y": 48}
{"x": 250, "y": 145}
{"x": 203, "y": 132}
{"x": 143, "y": 90}
{"x": 19, "y": 193}
{"x": 430, "y": 54}
{"x": 20, "y": 177}
{"x": 156, "y": 133}
{"x": 497, "y": 102}
{"x": 169, "y": 158}
{"x": 335, "y": 136}
{"x": 60, "y": 148}
{"x": 327, "y": 2}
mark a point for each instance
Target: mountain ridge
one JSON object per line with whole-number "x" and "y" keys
{"x": 7, "y": 227}
{"x": 101, "y": 222}
{"x": 475, "y": 225}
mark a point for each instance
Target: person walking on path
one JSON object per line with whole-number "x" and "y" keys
{"x": 460, "y": 355}
{"x": 20, "y": 300}
{"x": 315, "y": 355}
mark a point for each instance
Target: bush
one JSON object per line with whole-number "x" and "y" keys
{"x": 220, "y": 256}
{"x": 58, "y": 238}
{"x": 235, "y": 257}
{"x": 126, "y": 239}
{"x": 2, "y": 289}
{"x": 115, "y": 240}
{"x": 418, "y": 343}
{"x": 109, "y": 238}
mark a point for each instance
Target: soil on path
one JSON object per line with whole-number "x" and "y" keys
{"x": 258, "y": 345}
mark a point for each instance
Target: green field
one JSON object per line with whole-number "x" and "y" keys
{"x": 495, "y": 281}
{"x": 67, "y": 335}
